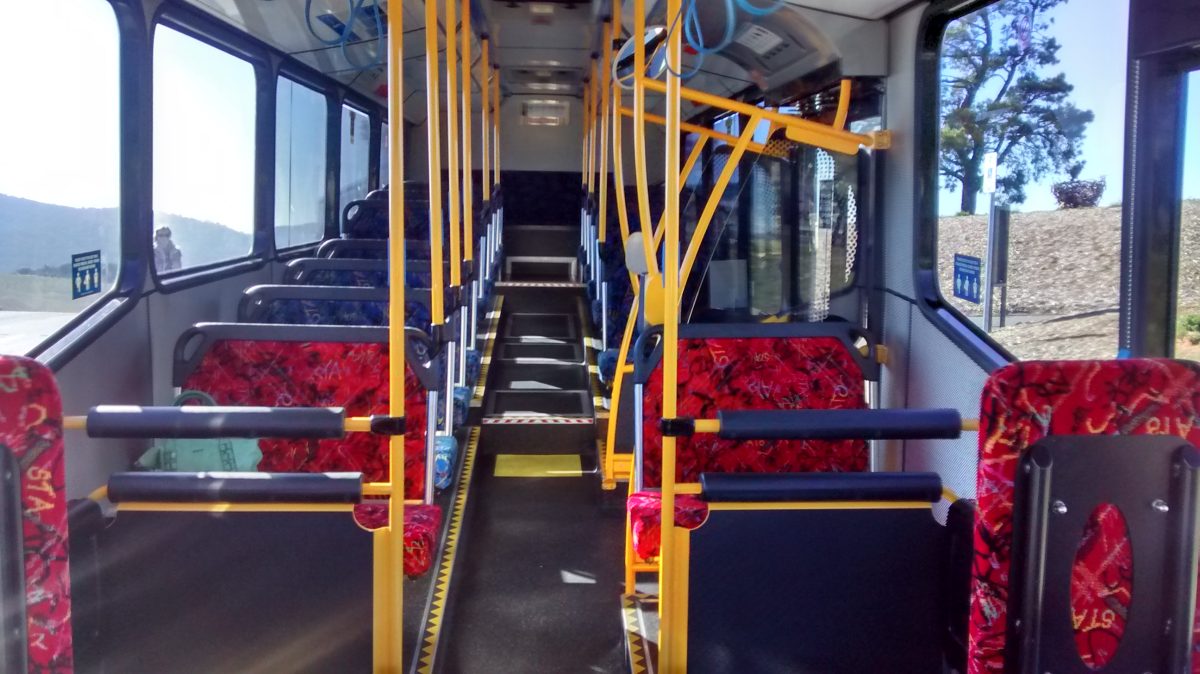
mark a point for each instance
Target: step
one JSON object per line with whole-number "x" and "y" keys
{"x": 531, "y": 403}
{"x": 540, "y": 353}
{"x": 554, "y": 326}
{"x": 540, "y": 378}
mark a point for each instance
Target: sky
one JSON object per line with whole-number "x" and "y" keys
{"x": 204, "y": 112}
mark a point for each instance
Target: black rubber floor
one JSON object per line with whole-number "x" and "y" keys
{"x": 539, "y": 573}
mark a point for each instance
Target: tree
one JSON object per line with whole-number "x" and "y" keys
{"x": 995, "y": 98}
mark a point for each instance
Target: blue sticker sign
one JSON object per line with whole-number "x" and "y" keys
{"x": 85, "y": 274}
{"x": 968, "y": 283}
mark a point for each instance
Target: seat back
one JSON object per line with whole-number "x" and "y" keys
{"x": 1025, "y": 402}
{"x": 367, "y": 218}
{"x": 31, "y": 433}
{"x": 756, "y": 367}
{"x": 336, "y": 272}
{"x": 317, "y": 366}
{"x": 330, "y": 305}
{"x": 363, "y": 249}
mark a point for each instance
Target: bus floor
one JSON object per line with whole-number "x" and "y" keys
{"x": 540, "y": 563}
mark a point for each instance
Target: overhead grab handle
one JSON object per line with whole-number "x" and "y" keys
{"x": 933, "y": 424}
{"x": 133, "y": 421}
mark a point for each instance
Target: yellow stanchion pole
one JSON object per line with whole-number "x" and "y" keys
{"x": 389, "y": 544}
{"x": 452, "y": 147}
{"x": 639, "y": 136}
{"x": 485, "y": 112}
{"x": 433, "y": 123}
{"x": 468, "y": 195}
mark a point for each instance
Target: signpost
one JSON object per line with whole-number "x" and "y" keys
{"x": 990, "y": 162}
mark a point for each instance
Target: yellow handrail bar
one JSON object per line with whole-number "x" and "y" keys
{"x": 485, "y": 113}
{"x": 605, "y": 118}
{"x": 468, "y": 195}
{"x": 704, "y": 131}
{"x": 433, "y": 123}
{"x": 452, "y": 149}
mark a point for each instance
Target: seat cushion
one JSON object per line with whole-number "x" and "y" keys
{"x": 645, "y": 517}
{"x": 787, "y": 373}
{"x": 421, "y": 525}
{"x": 31, "y": 430}
{"x": 1025, "y": 402}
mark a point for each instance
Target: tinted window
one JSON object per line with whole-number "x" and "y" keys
{"x": 1187, "y": 335}
{"x": 204, "y": 110}
{"x": 1040, "y": 83}
{"x": 59, "y": 171}
{"x": 299, "y": 164}
{"x": 356, "y": 154}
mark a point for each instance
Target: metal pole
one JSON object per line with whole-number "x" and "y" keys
{"x": 989, "y": 267}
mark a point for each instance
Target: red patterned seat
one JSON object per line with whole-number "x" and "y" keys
{"x": 421, "y": 524}
{"x": 1025, "y": 402}
{"x": 31, "y": 429}
{"x": 352, "y": 375}
{"x": 754, "y": 373}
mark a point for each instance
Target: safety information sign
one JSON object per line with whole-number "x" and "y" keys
{"x": 967, "y": 281}
{"x": 85, "y": 274}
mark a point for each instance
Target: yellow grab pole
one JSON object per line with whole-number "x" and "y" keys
{"x": 690, "y": 164}
{"x": 714, "y": 199}
{"x": 468, "y": 195}
{"x": 496, "y": 125}
{"x": 800, "y": 130}
{"x": 605, "y": 68}
{"x": 587, "y": 136}
{"x": 485, "y": 132}
{"x": 452, "y": 139}
{"x": 433, "y": 123}
{"x": 389, "y": 546}
{"x": 758, "y": 148}
{"x": 673, "y": 597}
{"x": 639, "y": 135}
{"x": 843, "y": 108}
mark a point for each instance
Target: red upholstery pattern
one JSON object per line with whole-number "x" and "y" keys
{"x": 31, "y": 429}
{"x": 320, "y": 374}
{"x": 421, "y": 523}
{"x": 756, "y": 374}
{"x": 645, "y": 516}
{"x": 1024, "y": 402}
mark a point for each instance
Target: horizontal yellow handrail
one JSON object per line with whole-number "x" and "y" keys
{"x": 757, "y": 148}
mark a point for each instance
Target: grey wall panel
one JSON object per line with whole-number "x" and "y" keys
{"x": 113, "y": 369}
{"x": 893, "y": 380}
{"x": 171, "y": 314}
{"x": 941, "y": 375}
{"x": 899, "y": 185}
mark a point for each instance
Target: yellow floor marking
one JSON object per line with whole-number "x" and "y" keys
{"x": 538, "y": 465}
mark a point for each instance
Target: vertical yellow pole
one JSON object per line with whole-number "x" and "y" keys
{"x": 605, "y": 90}
{"x": 468, "y": 196}
{"x": 452, "y": 139}
{"x": 496, "y": 125}
{"x": 672, "y": 620}
{"x": 639, "y": 135}
{"x": 585, "y": 140}
{"x": 594, "y": 85}
{"x": 485, "y": 112}
{"x": 433, "y": 123}
{"x": 389, "y": 543}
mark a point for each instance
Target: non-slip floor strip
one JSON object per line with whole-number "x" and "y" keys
{"x": 485, "y": 361}
{"x": 441, "y": 588}
{"x": 541, "y": 420}
{"x": 538, "y": 465}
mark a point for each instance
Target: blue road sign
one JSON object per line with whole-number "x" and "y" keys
{"x": 968, "y": 281}
{"x": 85, "y": 274}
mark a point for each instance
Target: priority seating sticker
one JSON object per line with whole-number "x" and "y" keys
{"x": 85, "y": 274}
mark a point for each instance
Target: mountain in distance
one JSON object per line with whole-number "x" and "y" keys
{"x": 34, "y": 235}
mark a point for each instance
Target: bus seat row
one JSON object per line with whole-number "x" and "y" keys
{"x": 746, "y": 367}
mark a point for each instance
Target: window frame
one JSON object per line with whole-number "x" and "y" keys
{"x": 114, "y": 302}
{"x": 301, "y": 79}
{"x": 207, "y": 31}
{"x": 962, "y": 332}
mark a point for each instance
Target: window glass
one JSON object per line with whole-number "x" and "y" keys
{"x": 299, "y": 164}
{"x": 59, "y": 171}
{"x": 1040, "y": 85}
{"x": 384, "y": 155}
{"x": 1187, "y": 334}
{"x": 204, "y": 112}
{"x": 356, "y": 154}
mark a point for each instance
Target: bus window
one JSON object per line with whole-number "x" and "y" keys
{"x": 356, "y": 154}
{"x": 299, "y": 164}
{"x": 204, "y": 111}
{"x": 1039, "y": 86}
{"x": 59, "y": 175}
{"x": 1187, "y": 332}
{"x": 384, "y": 154}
